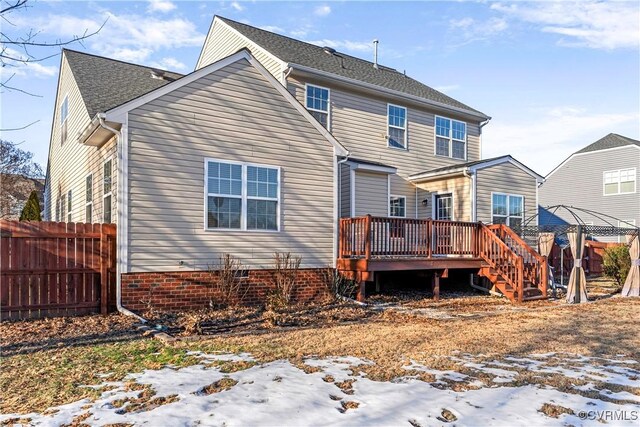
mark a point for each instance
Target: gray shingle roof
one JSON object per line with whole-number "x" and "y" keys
{"x": 298, "y": 52}
{"x": 106, "y": 83}
{"x": 613, "y": 140}
{"x": 462, "y": 165}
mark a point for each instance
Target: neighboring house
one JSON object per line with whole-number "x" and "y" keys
{"x": 14, "y": 193}
{"x": 261, "y": 149}
{"x": 602, "y": 178}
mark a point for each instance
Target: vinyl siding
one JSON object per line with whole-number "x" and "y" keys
{"x": 231, "y": 114}
{"x": 359, "y": 122}
{"x": 401, "y": 187}
{"x": 504, "y": 178}
{"x": 223, "y": 41}
{"x": 371, "y": 194}
{"x": 71, "y": 162}
{"x": 345, "y": 191}
{"x": 579, "y": 182}
{"x": 459, "y": 187}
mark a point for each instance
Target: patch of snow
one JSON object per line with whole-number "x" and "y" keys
{"x": 279, "y": 393}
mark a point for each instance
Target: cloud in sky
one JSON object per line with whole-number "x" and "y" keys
{"x": 552, "y": 133}
{"x": 237, "y": 6}
{"x": 21, "y": 68}
{"x": 447, "y": 88}
{"x": 162, "y": 6}
{"x": 323, "y": 10}
{"x": 592, "y": 24}
{"x": 169, "y": 63}
{"x": 470, "y": 30}
{"x": 120, "y": 38}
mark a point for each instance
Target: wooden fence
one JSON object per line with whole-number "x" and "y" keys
{"x": 592, "y": 259}
{"x": 56, "y": 269}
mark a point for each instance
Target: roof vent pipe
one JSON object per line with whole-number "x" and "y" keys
{"x": 375, "y": 53}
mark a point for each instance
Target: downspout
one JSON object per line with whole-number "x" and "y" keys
{"x": 121, "y": 182}
{"x": 472, "y": 177}
{"x": 338, "y": 199}
{"x": 483, "y": 124}
{"x": 285, "y": 75}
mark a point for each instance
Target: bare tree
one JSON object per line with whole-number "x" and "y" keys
{"x": 18, "y": 177}
{"x": 28, "y": 48}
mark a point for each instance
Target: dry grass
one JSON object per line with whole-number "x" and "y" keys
{"x": 554, "y": 411}
{"x": 604, "y": 328}
{"x": 223, "y": 384}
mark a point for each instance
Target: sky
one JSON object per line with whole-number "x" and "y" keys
{"x": 554, "y": 76}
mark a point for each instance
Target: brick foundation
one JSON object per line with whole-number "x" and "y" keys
{"x": 192, "y": 290}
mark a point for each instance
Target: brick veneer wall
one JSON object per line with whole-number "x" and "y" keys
{"x": 189, "y": 290}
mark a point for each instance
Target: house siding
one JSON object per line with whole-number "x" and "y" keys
{"x": 359, "y": 122}
{"x": 345, "y": 190}
{"x": 579, "y": 183}
{"x": 231, "y": 114}
{"x": 223, "y": 41}
{"x": 459, "y": 187}
{"x": 71, "y": 162}
{"x": 505, "y": 178}
{"x": 399, "y": 186}
{"x": 371, "y": 194}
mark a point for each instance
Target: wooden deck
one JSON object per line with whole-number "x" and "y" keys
{"x": 372, "y": 244}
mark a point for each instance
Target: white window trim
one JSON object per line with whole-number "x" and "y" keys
{"x": 451, "y": 138}
{"x": 434, "y": 208}
{"x": 391, "y": 196}
{"x": 244, "y": 197}
{"x": 507, "y": 216}
{"x": 328, "y": 112}
{"x": 89, "y": 202}
{"x": 63, "y": 122}
{"x": 110, "y": 193}
{"x": 635, "y": 182}
{"x": 406, "y": 119}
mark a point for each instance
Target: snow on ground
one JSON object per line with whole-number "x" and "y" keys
{"x": 334, "y": 392}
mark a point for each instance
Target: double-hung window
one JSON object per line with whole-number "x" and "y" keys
{"x": 63, "y": 206}
{"x": 507, "y": 209}
{"x": 621, "y": 181}
{"x": 397, "y": 206}
{"x": 64, "y": 113}
{"x": 397, "y": 126}
{"x": 451, "y": 138}
{"x": 241, "y": 196}
{"x": 88, "y": 203}
{"x": 106, "y": 191}
{"x": 318, "y": 104}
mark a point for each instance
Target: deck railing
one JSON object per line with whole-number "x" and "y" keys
{"x": 370, "y": 237}
{"x": 379, "y": 237}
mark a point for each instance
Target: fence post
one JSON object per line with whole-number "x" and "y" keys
{"x": 429, "y": 238}
{"x": 367, "y": 237}
{"x": 520, "y": 279}
{"x": 545, "y": 275}
{"x": 104, "y": 265}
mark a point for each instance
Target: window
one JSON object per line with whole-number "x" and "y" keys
{"x": 58, "y": 210}
{"x": 507, "y": 209}
{"x": 106, "y": 191}
{"x": 397, "y": 126}
{"x": 64, "y": 112}
{"x": 397, "y": 206}
{"x": 242, "y": 196}
{"x": 451, "y": 138}
{"x": 63, "y": 206}
{"x": 444, "y": 207}
{"x": 69, "y": 208}
{"x": 622, "y": 181}
{"x": 88, "y": 194}
{"x": 627, "y": 223}
{"x": 318, "y": 104}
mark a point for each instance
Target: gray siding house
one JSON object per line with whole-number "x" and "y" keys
{"x": 601, "y": 177}
{"x": 263, "y": 148}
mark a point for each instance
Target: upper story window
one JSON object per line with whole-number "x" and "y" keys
{"x": 451, "y": 138}
{"x": 241, "y": 196}
{"x": 318, "y": 104}
{"x": 64, "y": 113}
{"x": 397, "y": 126}
{"x": 507, "y": 209}
{"x": 621, "y": 181}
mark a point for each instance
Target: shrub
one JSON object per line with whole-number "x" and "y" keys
{"x": 285, "y": 275}
{"x": 617, "y": 263}
{"x": 337, "y": 284}
{"x": 31, "y": 210}
{"x": 230, "y": 287}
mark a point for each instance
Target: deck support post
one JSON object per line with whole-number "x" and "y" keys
{"x": 376, "y": 279}
{"x": 435, "y": 284}
{"x": 360, "y": 296}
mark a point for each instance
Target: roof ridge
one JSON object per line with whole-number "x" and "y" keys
{"x": 120, "y": 61}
